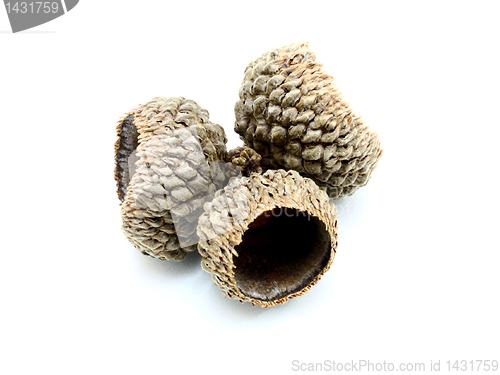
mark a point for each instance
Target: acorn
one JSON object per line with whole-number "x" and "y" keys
{"x": 294, "y": 116}
{"x": 268, "y": 237}
{"x": 245, "y": 159}
{"x": 169, "y": 160}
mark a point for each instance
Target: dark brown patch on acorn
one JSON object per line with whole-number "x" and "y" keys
{"x": 126, "y": 144}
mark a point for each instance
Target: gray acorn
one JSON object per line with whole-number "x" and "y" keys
{"x": 294, "y": 116}
{"x": 169, "y": 160}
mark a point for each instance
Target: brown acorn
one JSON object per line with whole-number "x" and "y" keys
{"x": 247, "y": 241}
{"x": 169, "y": 160}
{"x": 245, "y": 159}
{"x": 294, "y": 116}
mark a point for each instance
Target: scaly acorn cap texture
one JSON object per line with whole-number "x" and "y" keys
{"x": 293, "y": 114}
{"x": 268, "y": 237}
{"x": 175, "y": 154}
{"x": 245, "y": 159}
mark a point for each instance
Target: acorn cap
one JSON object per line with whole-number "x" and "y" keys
{"x": 245, "y": 159}
{"x": 292, "y": 114}
{"x": 268, "y": 238}
{"x": 176, "y": 156}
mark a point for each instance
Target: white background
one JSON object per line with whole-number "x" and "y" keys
{"x": 416, "y": 277}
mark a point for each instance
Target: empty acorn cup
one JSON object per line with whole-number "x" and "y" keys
{"x": 268, "y": 237}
